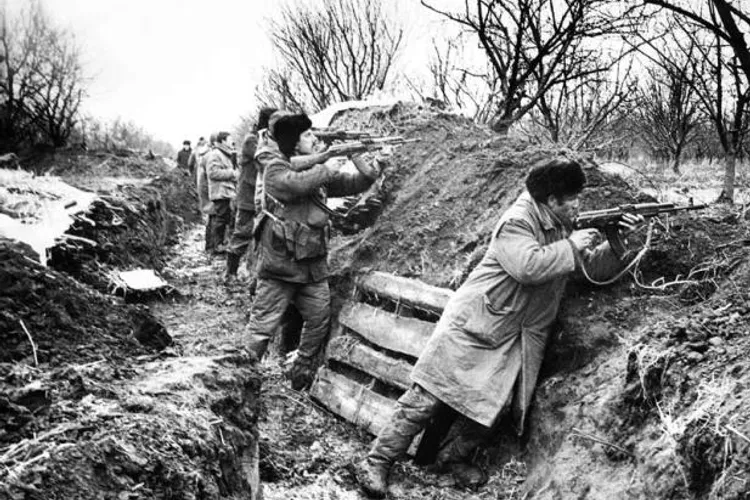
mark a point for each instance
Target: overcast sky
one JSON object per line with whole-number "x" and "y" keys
{"x": 181, "y": 68}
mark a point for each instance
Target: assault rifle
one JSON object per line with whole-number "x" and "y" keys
{"x": 329, "y": 135}
{"x": 607, "y": 221}
{"x": 369, "y": 144}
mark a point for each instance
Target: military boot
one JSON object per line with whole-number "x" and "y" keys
{"x": 300, "y": 372}
{"x": 372, "y": 477}
{"x": 469, "y": 475}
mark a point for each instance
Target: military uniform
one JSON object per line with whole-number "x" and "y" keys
{"x": 293, "y": 231}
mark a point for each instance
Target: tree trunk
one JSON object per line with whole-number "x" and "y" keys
{"x": 676, "y": 163}
{"x": 727, "y": 193}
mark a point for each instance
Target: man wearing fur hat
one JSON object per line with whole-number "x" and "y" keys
{"x": 484, "y": 356}
{"x": 293, "y": 232}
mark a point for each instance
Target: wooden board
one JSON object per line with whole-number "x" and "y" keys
{"x": 356, "y": 403}
{"x": 352, "y": 401}
{"x": 405, "y": 290}
{"x": 390, "y": 370}
{"x": 403, "y": 335}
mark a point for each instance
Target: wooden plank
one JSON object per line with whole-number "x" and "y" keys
{"x": 351, "y": 352}
{"x": 405, "y": 290}
{"x": 356, "y": 403}
{"x": 404, "y": 335}
{"x": 352, "y": 401}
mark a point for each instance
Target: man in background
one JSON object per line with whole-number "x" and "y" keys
{"x": 222, "y": 176}
{"x": 193, "y": 160}
{"x": 244, "y": 221}
{"x": 204, "y": 201}
{"x": 183, "y": 155}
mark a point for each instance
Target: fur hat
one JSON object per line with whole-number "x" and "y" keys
{"x": 275, "y": 117}
{"x": 287, "y": 129}
{"x": 558, "y": 177}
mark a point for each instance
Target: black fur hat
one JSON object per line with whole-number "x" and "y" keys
{"x": 558, "y": 177}
{"x": 288, "y": 129}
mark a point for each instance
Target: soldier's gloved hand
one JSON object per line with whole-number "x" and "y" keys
{"x": 630, "y": 223}
{"x": 584, "y": 238}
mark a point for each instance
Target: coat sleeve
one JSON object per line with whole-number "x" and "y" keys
{"x": 530, "y": 263}
{"x": 284, "y": 184}
{"x": 218, "y": 170}
{"x": 601, "y": 263}
{"x": 247, "y": 153}
{"x": 345, "y": 183}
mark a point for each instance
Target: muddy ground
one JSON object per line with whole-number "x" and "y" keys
{"x": 642, "y": 396}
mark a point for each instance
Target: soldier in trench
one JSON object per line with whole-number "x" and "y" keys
{"x": 484, "y": 356}
{"x": 293, "y": 232}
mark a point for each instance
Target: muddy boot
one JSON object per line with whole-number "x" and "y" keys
{"x": 372, "y": 477}
{"x": 300, "y": 372}
{"x": 233, "y": 262}
{"x": 468, "y": 475}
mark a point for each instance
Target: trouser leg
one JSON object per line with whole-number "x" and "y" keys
{"x": 243, "y": 232}
{"x": 221, "y": 218}
{"x": 413, "y": 410}
{"x": 271, "y": 300}
{"x": 464, "y": 437}
{"x": 210, "y": 243}
{"x": 313, "y": 301}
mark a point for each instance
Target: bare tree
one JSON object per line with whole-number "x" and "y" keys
{"x": 280, "y": 88}
{"x": 453, "y": 81}
{"x": 720, "y": 71}
{"x": 588, "y": 113}
{"x": 536, "y": 45}
{"x": 726, "y": 21}
{"x": 340, "y": 49}
{"x": 668, "y": 115}
{"x": 43, "y": 81}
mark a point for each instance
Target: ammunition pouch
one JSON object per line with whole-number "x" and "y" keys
{"x": 299, "y": 241}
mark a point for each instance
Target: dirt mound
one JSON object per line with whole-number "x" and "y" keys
{"x": 91, "y": 404}
{"x": 95, "y": 164}
{"x": 69, "y": 323}
{"x": 127, "y": 229}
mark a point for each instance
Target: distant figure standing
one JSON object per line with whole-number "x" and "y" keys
{"x": 193, "y": 160}
{"x": 204, "y": 201}
{"x": 222, "y": 175}
{"x": 183, "y": 156}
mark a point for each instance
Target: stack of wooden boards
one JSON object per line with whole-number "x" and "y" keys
{"x": 379, "y": 335}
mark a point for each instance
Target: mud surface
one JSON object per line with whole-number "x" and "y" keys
{"x": 97, "y": 400}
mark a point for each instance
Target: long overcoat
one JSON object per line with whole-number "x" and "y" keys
{"x": 493, "y": 332}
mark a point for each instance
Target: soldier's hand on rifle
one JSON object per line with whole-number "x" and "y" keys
{"x": 584, "y": 238}
{"x": 630, "y": 223}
